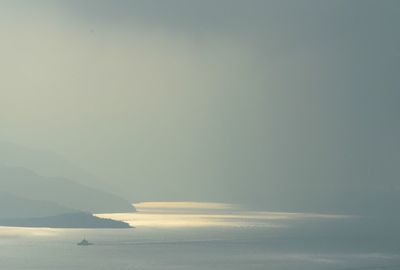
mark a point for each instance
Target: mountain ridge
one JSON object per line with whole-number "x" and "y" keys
{"x": 27, "y": 184}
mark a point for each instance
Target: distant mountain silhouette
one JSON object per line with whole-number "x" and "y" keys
{"x": 27, "y": 184}
{"x": 32, "y": 194}
{"x": 49, "y": 164}
{"x": 12, "y": 206}
{"x": 70, "y": 220}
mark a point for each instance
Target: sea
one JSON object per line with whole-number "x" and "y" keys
{"x": 194, "y": 236}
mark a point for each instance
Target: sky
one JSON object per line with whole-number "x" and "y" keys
{"x": 266, "y": 103}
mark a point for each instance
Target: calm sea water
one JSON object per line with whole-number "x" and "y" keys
{"x": 187, "y": 246}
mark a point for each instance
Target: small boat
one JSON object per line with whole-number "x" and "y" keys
{"x": 84, "y": 242}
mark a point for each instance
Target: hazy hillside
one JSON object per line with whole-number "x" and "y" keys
{"x": 20, "y": 212}
{"x": 12, "y": 206}
{"x": 27, "y": 184}
{"x": 71, "y": 220}
{"x": 48, "y": 164}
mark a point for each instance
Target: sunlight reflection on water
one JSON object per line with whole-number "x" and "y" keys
{"x": 205, "y": 214}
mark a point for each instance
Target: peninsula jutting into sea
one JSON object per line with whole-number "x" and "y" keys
{"x": 29, "y": 199}
{"x": 72, "y": 220}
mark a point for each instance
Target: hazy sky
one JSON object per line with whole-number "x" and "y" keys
{"x": 237, "y": 101}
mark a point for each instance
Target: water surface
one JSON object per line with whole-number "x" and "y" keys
{"x": 193, "y": 238}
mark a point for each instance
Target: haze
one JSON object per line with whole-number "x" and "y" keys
{"x": 282, "y": 105}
